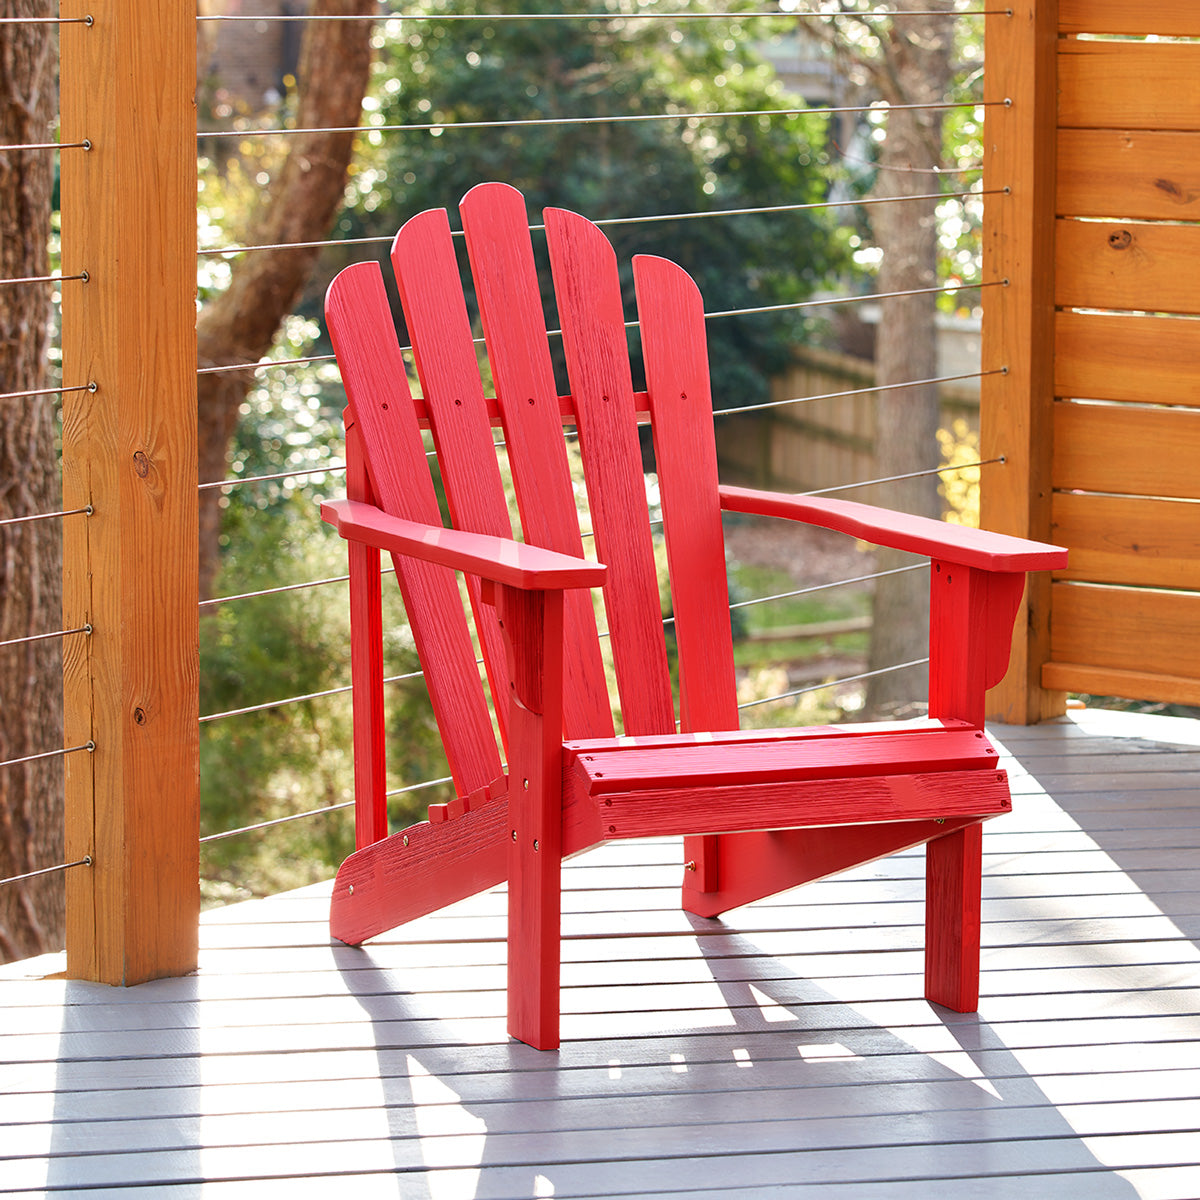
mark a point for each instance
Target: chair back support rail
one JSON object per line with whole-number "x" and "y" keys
{"x": 760, "y": 811}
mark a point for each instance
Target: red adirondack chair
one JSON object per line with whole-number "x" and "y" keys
{"x": 761, "y": 811}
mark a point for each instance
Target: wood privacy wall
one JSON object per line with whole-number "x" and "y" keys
{"x": 1109, "y": 448}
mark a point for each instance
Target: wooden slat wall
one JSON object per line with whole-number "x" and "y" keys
{"x": 1125, "y": 615}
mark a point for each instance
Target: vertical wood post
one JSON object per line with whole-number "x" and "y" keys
{"x": 129, "y": 450}
{"x": 1018, "y": 328}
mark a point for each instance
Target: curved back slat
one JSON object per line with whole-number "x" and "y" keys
{"x": 506, "y": 287}
{"x": 373, "y": 372}
{"x": 588, "y": 293}
{"x": 427, "y": 275}
{"x": 674, "y": 348}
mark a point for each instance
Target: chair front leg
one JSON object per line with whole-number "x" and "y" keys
{"x": 532, "y": 626}
{"x": 971, "y": 621}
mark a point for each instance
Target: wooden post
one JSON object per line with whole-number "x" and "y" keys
{"x": 129, "y": 450}
{"x": 1018, "y": 328}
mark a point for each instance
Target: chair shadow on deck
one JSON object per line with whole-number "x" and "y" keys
{"x": 790, "y": 1087}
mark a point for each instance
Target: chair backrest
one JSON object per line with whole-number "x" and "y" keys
{"x": 385, "y": 423}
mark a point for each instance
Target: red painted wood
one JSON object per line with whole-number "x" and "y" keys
{"x": 373, "y": 373}
{"x": 366, "y": 665}
{"x": 919, "y": 535}
{"x": 510, "y": 304}
{"x": 861, "y": 800}
{"x": 588, "y": 292}
{"x": 435, "y": 312}
{"x": 499, "y": 559}
{"x": 747, "y": 760}
{"x": 755, "y": 865}
{"x": 418, "y": 871}
{"x": 953, "y": 869}
{"x": 532, "y": 623}
{"x": 671, "y": 316}
{"x": 763, "y": 810}
{"x": 970, "y": 633}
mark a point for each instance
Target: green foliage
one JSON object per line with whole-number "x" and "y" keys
{"x": 430, "y": 69}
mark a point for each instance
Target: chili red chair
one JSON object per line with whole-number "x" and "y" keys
{"x": 761, "y": 811}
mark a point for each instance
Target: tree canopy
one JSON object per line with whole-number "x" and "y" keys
{"x": 443, "y": 70}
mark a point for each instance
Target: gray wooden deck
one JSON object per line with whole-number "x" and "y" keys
{"x": 783, "y": 1052}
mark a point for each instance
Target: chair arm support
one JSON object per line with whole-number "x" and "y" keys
{"x": 957, "y": 544}
{"x": 500, "y": 560}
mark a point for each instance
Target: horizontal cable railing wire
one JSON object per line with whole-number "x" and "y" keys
{"x": 333, "y": 469}
{"x": 820, "y": 687}
{"x": 88, "y": 20}
{"x": 13, "y": 762}
{"x": 654, "y": 218}
{"x": 825, "y": 302}
{"x": 52, "y": 391}
{"x": 45, "y": 637}
{"x": 86, "y": 861}
{"x": 845, "y": 487}
{"x": 337, "y": 691}
{"x": 83, "y": 145}
{"x": 50, "y": 516}
{"x": 316, "y": 812}
{"x": 863, "y": 391}
{"x": 614, "y": 119}
{"x": 83, "y": 276}
{"x": 496, "y": 18}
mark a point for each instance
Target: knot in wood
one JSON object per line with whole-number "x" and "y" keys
{"x": 1120, "y": 239}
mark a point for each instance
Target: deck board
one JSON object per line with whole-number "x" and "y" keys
{"x": 783, "y": 1050}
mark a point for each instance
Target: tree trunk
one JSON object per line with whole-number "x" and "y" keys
{"x": 31, "y": 827}
{"x": 240, "y": 324}
{"x": 915, "y": 70}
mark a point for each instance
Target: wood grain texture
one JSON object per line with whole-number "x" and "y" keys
{"x": 675, "y": 351}
{"x": 901, "y": 531}
{"x": 496, "y": 559}
{"x": 1128, "y": 85}
{"x": 366, "y": 663}
{"x": 953, "y": 866}
{"x": 1020, "y": 163}
{"x": 860, "y": 801}
{"x": 1169, "y": 18}
{"x": 1135, "y": 684}
{"x": 1129, "y": 629}
{"x": 373, "y": 374}
{"x": 130, "y": 570}
{"x": 435, "y": 312}
{"x": 588, "y": 294}
{"x": 418, "y": 871}
{"x": 532, "y": 623}
{"x": 496, "y": 226}
{"x": 1105, "y": 357}
{"x": 1127, "y": 265}
{"x": 1128, "y": 174}
{"x": 784, "y": 1050}
{"x": 1126, "y": 450}
{"x": 1128, "y": 539}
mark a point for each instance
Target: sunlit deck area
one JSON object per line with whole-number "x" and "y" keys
{"x": 783, "y": 1051}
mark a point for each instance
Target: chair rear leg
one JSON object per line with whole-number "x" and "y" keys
{"x": 953, "y": 883}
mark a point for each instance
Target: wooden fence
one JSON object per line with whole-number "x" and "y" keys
{"x": 1096, "y": 414}
{"x": 1099, "y": 416}
{"x": 822, "y": 442}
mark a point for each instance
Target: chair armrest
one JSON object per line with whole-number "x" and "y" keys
{"x": 899, "y": 531}
{"x": 500, "y": 560}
